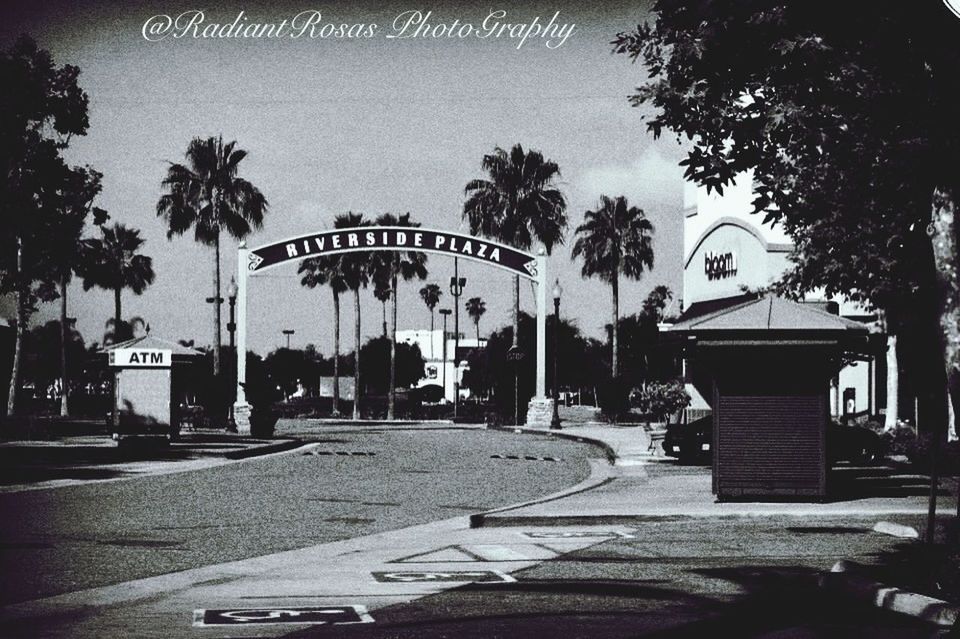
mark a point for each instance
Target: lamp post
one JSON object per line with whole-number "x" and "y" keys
{"x": 456, "y": 290}
{"x": 557, "y": 292}
{"x": 446, "y": 313}
{"x": 217, "y": 369}
{"x": 232, "y": 298}
{"x": 288, "y": 332}
{"x": 232, "y": 329}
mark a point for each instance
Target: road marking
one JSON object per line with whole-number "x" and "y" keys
{"x": 316, "y": 615}
{"x": 446, "y": 554}
{"x": 524, "y": 457}
{"x": 446, "y": 576}
{"x": 493, "y": 552}
{"x": 575, "y": 534}
{"x": 342, "y": 453}
{"x": 472, "y": 553}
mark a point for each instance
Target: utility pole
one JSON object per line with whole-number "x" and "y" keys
{"x": 446, "y": 313}
{"x": 456, "y": 290}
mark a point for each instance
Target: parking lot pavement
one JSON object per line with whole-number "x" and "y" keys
{"x": 690, "y": 577}
{"x": 72, "y": 460}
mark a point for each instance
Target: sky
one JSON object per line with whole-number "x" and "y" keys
{"x": 368, "y": 125}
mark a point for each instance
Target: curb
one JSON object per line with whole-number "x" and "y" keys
{"x": 336, "y": 421}
{"x": 600, "y": 473}
{"x": 266, "y": 449}
{"x": 607, "y": 449}
{"x": 841, "y": 579}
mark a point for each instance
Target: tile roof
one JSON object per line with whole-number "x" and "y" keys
{"x": 769, "y": 313}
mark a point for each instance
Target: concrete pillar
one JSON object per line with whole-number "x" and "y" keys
{"x": 241, "y": 409}
{"x": 541, "y": 324}
{"x": 540, "y": 409}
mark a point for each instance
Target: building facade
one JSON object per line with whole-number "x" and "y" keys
{"x": 445, "y": 360}
{"x": 728, "y": 252}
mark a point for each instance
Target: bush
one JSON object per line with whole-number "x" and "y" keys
{"x": 900, "y": 440}
{"x": 948, "y": 459}
{"x": 263, "y": 420}
{"x": 662, "y": 399}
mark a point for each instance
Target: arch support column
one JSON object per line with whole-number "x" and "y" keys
{"x": 241, "y": 409}
{"x": 540, "y": 409}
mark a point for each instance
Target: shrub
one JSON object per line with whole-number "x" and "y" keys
{"x": 901, "y": 439}
{"x": 948, "y": 459}
{"x": 662, "y": 399}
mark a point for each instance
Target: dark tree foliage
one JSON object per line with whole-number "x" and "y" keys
{"x": 41, "y": 345}
{"x": 42, "y": 107}
{"x": 643, "y": 357}
{"x": 375, "y": 365}
{"x": 846, "y": 115}
{"x": 581, "y": 364}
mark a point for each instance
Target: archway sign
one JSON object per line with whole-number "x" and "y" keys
{"x": 251, "y": 262}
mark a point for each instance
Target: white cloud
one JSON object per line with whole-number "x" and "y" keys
{"x": 650, "y": 180}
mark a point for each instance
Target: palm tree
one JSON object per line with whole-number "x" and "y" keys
{"x": 431, "y": 294}
{"x": 518, "y": 204}
{"x": 476, "y": 307}
{"x": 111, "y": 262}
{"x": 356, "y": 275}
{"x": 394, "y": 265}
{"x": 321, "y": 271}
{"x": 206, "y": 194}
{"x": 381, "y": 291}
{"x": 614, "y": 239}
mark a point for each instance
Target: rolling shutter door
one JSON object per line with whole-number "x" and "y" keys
{"x": 770, "y": 445}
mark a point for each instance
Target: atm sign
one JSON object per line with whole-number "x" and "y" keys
{"x": 141, "y": 357}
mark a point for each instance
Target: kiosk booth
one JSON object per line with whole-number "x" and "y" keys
{"x": 145, "y": 387}
{"x": 765, "y": 366}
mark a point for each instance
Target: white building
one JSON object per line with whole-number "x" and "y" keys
{"x": 441, "y": 366}
{"x": 728, "y": 251}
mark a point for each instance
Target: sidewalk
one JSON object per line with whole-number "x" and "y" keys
{"x": 640, "y": 485}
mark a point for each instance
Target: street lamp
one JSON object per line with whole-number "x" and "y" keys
{"x": 232, "y": 329}
{"x": 557, "y": 292}
{"x": 456, "y": 290}
{"x": 446, "y": 313}
{"x": 232, "y": 298}
{"x": 288, "y": 332}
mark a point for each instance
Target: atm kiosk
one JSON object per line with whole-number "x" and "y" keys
{"x": 144, "y": 406}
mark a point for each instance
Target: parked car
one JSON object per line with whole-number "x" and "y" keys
{"x": 690, "y": 443}
{"x": 693, "y": 442}
{"x": 854, "y": 444}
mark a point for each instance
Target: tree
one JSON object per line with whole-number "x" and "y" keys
{"x": 431, "y": 294}
{"x": 476, "y": 307}
{"x": 376, "y": 356}
{"x": 43, "y": 351}
{"x": 386, "y": 269}
{"x": 323, "y": 271}
{"x": 518, "y": 204}
{"x": 846, "y": 119}
{"x": 111, "y": 262}
{"x": 43, "y": 107}
{"x": 491, "y": 370}
{"x": 207, "y": 195}
{"x": 74, "y": 202}
{"x": 356, "y": 275}
{"x": 614, "y": 239}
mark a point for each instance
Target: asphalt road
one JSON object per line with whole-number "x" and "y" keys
{"x": 76, "y": 537}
